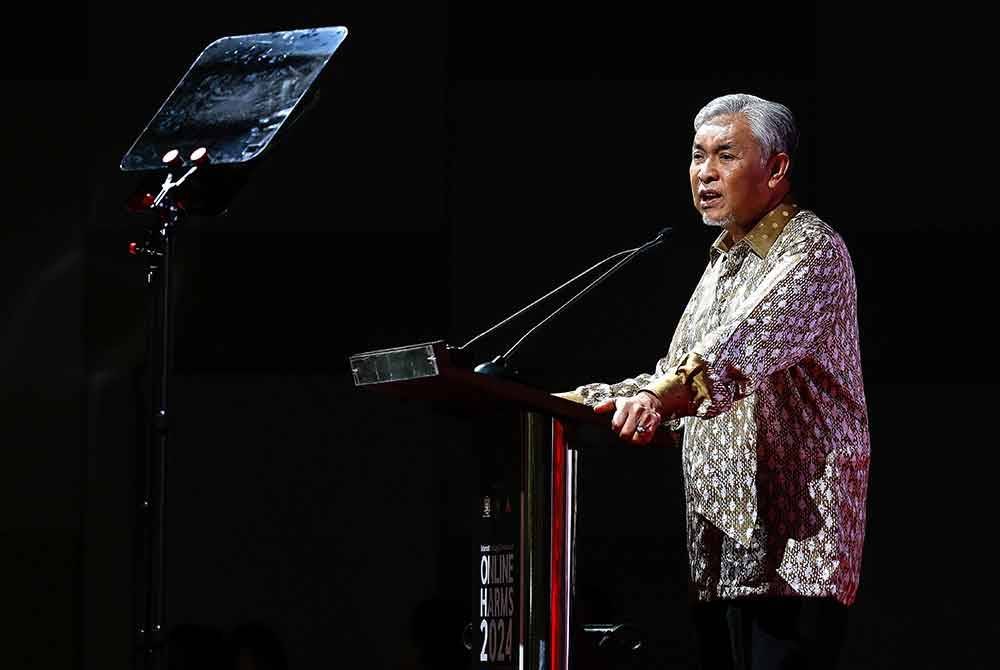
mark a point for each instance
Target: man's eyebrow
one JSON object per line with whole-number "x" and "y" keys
{"x": 725, "y": 146}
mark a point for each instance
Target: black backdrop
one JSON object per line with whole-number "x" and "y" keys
{"x": 462, "y": 159}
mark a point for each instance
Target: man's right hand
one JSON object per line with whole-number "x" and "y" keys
{"x": 573, "y": 396}
{"x": 635, "y": 419}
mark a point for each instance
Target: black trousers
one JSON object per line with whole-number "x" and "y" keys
{"x": 770, "y": 633}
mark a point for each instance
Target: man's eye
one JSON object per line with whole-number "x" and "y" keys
{"x": 728, "y": 157}
{"x": 696, "y": 157}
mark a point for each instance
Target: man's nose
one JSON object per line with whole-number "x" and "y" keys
{"x": 707, "y": 172}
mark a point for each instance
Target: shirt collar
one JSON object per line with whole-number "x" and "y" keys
{"x": 762, "y": 236}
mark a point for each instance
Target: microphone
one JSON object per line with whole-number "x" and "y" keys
{"x": 498, "y": 366}
{"x": 550, "y": 293}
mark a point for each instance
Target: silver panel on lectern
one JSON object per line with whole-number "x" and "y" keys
{"x": 394, "y": 365}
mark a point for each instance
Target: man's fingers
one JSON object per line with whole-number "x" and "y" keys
{"x": 605, "y": 406}
{"x": 628, "y": 427}
{"x": 649, "y": 420}
{"x": 620, "y": 417}
{"x": 644, "y": 437}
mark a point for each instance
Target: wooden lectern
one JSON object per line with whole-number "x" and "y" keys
{"x": 526, "y": 568}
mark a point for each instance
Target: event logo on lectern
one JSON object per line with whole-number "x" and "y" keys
{"x": 496, "y": 602}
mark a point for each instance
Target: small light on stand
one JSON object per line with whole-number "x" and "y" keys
{"x": 172, "y": 158}
{"x": 199, "y": 156}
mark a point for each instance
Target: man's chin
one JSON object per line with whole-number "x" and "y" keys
{"x": 716, "y": 222}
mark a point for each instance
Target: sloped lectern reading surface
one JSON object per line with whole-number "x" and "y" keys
{"x": 436, "y": 371}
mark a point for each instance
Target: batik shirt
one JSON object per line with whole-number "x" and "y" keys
{"x": 775, "y": 440}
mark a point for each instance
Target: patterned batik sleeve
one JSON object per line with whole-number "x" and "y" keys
{"x": 594, "y": 394}
{"x": 777, "y": 326}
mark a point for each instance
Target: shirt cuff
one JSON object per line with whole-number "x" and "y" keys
{"x": 685, "y": 390}
{"x": 595, "y": 394}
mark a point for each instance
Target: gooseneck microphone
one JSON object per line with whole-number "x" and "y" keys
{"x": 547, "y": 295}
{"x": 498, "y": 366}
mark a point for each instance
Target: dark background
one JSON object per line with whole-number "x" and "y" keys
{"x": 464, "y": 158}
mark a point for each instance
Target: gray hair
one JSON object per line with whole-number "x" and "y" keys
{"x": 770, "y": 122}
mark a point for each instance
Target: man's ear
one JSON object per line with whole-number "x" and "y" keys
{"x": 777, "y": 168}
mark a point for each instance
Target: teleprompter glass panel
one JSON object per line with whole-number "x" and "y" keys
{"x": 235, "y": 97}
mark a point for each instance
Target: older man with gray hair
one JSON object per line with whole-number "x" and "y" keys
{"x": 763, "y": 376}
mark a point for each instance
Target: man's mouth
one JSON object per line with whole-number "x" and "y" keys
{"x": 708, "y": 198}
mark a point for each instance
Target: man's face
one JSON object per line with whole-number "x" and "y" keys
{"x": 728, "y": 182}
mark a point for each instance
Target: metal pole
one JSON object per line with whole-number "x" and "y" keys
{"x": 151, "y": 598}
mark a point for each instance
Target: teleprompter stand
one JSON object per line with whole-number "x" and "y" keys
{"x": 191, "y": 159}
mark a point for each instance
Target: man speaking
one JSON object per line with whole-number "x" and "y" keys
{"x": 763, "y": 376}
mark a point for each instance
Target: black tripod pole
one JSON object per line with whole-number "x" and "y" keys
{"x": 151, "y": 603}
